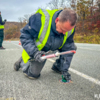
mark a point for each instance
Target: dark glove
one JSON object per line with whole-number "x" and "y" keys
{"x": 38, "y": 55}
{"x": 66, "y": 76}
{"x": 5, "y": 20}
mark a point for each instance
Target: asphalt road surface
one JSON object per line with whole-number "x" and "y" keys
{"x": 84, "y": 70}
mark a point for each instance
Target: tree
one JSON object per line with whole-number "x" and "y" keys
{"x": 58, "y": 4}
{"x": 83, "y": 9}
{"x": 20, "y": 21}
{"x": 73, "y": 4}
{"x": 26, "y": 18}
{"x": 98, "y": 4}
{"x": 23, "y": 20}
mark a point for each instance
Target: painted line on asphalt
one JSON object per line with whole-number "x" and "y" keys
{"x": 11, "y": 49}
{"x": 96, "y": 81}
{"x": 87, "y": 44}
{"x": 88, "y": 49}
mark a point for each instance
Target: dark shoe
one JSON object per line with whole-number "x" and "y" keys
{"x": 54, "y": 68}
{"x": 31, "y": 77}
{"x": 2, "y": 47}
{"x": 66, "y": 77}
{"x": 17, "y": 65}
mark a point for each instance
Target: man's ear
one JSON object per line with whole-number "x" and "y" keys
{"x": 56, "y": 20}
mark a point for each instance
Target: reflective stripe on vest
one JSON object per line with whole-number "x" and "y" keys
{"x": 46, "y": 21}
{"x": 1, "y": 26}
{"x": 25, "y": 56}
{"x": 46, "y": 27}
{"x": 67, "y": 34}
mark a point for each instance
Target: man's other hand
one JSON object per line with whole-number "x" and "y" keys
{"x": 38, "y": 55}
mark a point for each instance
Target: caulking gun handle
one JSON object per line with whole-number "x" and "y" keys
{"x": 48, "y": 56}
{"x": 43, "y": 57}
{"x": 73, "y": 51}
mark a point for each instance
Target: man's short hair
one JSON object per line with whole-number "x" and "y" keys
{"x": 68, "y": 14}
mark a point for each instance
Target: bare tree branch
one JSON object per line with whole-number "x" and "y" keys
{"x": 58, "y": 4}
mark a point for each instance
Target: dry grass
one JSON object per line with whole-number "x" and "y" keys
{"x": 87, "y": 38}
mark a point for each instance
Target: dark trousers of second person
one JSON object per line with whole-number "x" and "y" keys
{"x": 1, "y": 37}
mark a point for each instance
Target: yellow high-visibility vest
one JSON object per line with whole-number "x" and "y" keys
{"x": 1, "y": 26}
{"x": 46, "y": 21}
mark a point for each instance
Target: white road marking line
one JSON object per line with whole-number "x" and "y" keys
{"x": 96, "y": 81}
{"x": 11, "y": 49}
{"x": 87, "y": 44}
{"x": 88, "y": 48}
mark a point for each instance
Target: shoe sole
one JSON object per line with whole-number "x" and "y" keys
{"x": 56, "y": 71}
{"x": 32, "y": 78}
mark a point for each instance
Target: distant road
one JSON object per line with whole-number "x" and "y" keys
{"x": 84, "y": 69}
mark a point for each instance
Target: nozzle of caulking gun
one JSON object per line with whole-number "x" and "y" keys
{"x": 57, "y": 54}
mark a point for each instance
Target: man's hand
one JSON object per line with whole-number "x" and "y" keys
{"x": 38, "y": 55}
{"x": 5, "y": 20}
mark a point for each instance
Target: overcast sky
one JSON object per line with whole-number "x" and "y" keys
{"x": 14, "y": 9}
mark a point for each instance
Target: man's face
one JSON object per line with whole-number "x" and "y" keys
{"x": 63, "y": 27}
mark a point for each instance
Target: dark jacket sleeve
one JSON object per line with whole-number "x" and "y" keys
{"x": 1, "y": 22}
{"x": 29, "y": 33}
{"x": 66, "y": 59}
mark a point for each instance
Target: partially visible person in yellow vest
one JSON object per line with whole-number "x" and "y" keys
{"x": 47, "y": 30}
{"x": 1, "y": 31}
